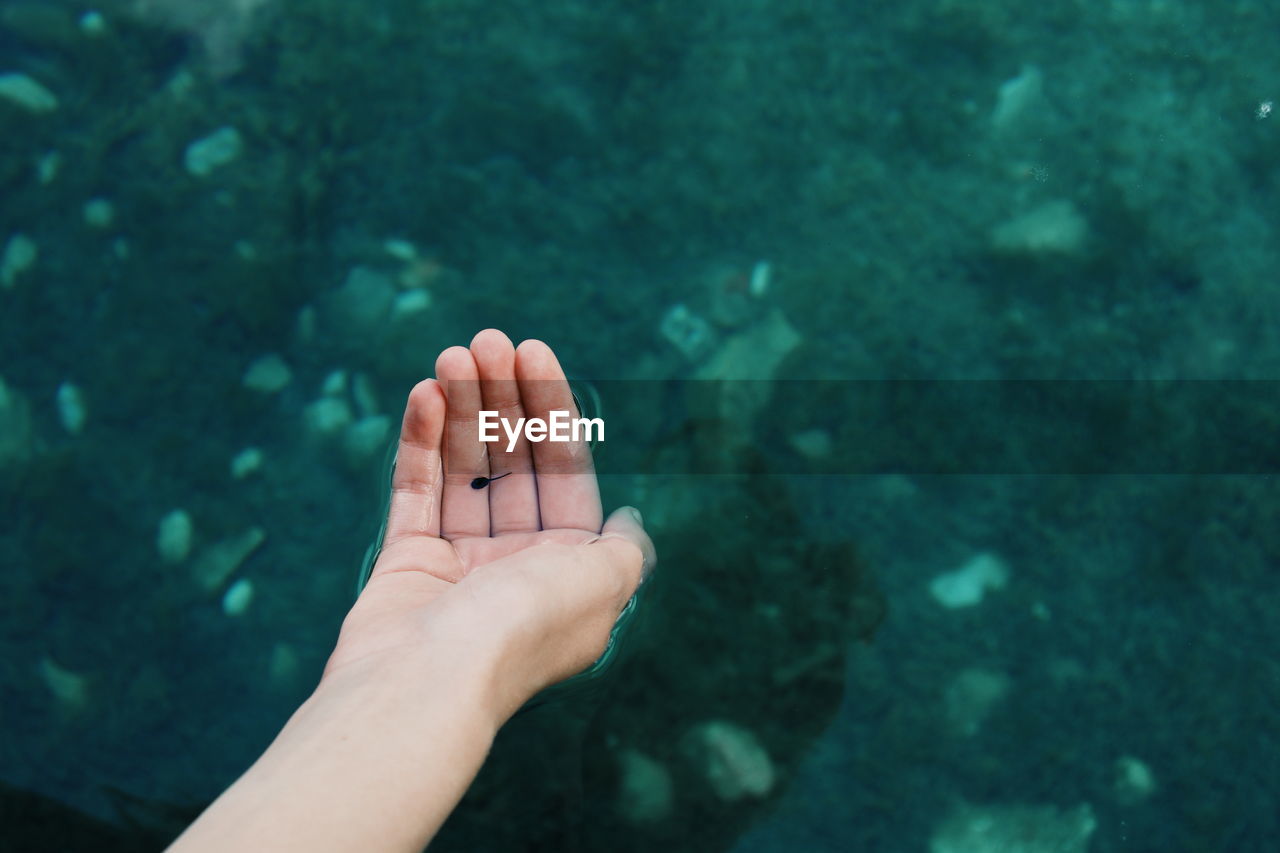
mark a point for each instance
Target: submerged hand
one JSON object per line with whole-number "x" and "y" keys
{"x": 522, "y": 572}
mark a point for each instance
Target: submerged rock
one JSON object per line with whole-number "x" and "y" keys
{"x": 71, "y": 689}
{"x": 20, "y": 253}
{"x": 1055, "y": 227}
{"x": 968, "y": 585}
{"x": 221, "y": 559}
{"x": 971, "y": 697}
{"x": 27, "y": 92}
{"x": 1015, "y": 829}
{"x": 238, "y": 597}
{"x": 732, "y": 760}
{"x": 207, "y": 153}
{"x": 646, "y": 793}
{"x": 174, "y": 535}
{"x": 72, "y": 410}
{"x": 267, "y": 374}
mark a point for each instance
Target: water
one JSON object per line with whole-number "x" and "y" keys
{"x": 870, "y": 293}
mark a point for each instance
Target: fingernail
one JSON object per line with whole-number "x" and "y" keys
{"x": 635, "y": 513}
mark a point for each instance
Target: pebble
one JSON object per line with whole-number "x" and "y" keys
{"x": 646, "y": 793}
{"x": 174, "y": 535}
{"x": 1055, "y": 227}
{"x": 366, "y": 437}
{"x": 409, "y": 303}
{"x": 1005, "y": 828}
{"x": 733, "y": 760}
{"x": 760, "y": 276}
{"x": 48, "y": 166}
{"x": 283, "y": 667}
{"x": 221, "y": 559}
{"x": 335, "y": 384}
{"x": 27, "y": 92}
{"x": 20, "y": 253}
{"x": 968, "y": 585}
{"x": 99, "y": 213}
{"x": 246, "y": 462}
{"x": 268, "y": 374}
{"x": 217, "y": 149}
{"x": 92, "y": 23}
{"x": 71, "y": 689}
{"x": 238, "y": 597}
{"x": 1134, "y": 781}
{"x": 811, "y": 443}
{"x": 327, "y": 415}
{"x": 686, "y": 331}
{"x": 72, "y": 411}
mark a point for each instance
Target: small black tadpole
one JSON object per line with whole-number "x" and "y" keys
{"x": 481, "y": 482}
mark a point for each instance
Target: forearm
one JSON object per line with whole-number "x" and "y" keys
{"x": 374, "y": 761}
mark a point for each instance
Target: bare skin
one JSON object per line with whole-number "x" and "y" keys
{"x": 479, "y": 599}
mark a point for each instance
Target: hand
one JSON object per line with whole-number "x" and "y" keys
{"x": 522, "y": 573}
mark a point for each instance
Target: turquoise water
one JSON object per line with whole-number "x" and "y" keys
{"x": 1035, "y": 592}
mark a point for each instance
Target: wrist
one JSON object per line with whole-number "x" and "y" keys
{"x": 374, "y": 760}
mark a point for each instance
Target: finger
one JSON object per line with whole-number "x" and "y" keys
{"x": 568, "y": 495}
{"x": 417, "y": 479}
{"x": 513, "y": 499}
{"x": 626, "y": 523}
{"x": 464, "y": 511}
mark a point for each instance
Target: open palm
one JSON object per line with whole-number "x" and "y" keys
{"x": 451, "y": 547}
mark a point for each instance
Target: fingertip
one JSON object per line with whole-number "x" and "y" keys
{"x": 536, "y": 360}
{"x": 490, "y": 341}
{"x": 626, "y": 523}
{"x": 494, "y": 355}
{"x": 424, "y": 413}
{"x": 455, "y": 363}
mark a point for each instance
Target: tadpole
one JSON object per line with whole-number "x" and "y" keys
{"x": 481, "y": 482}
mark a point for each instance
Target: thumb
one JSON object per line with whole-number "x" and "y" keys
{"x": 626, "y": 523}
